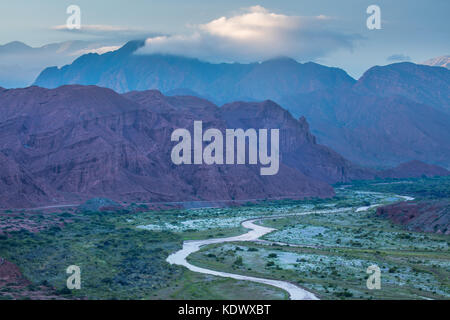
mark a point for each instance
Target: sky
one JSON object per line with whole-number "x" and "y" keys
{"x": 329, "y": 32}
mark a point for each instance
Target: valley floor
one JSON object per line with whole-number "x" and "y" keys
{"x": 123, "y": 256}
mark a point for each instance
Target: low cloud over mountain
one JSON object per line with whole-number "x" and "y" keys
{"x": 254, "y": 35}
{"x": 398, "y": 57}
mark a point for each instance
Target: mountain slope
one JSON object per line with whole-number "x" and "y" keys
{"x": 424, "y": 216}
{"x": 373, "y": 130}
{"x": 419, "y": 83}
{"x": 393, "y": 114}
{"x": 298, "y": 146}
{"x": 413, "y": 169}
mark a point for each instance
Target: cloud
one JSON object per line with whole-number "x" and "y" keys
{"x": 398, "y": 57}
{"x": 92, "y": 28}
{"x": 100, "y": 50}
{"x": 254, "y": 35}
{"x": 107, "y": 31}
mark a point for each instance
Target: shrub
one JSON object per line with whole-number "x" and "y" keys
{"x": 238, "y": 261}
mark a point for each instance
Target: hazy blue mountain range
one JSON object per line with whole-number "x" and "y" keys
{"x": 20, "y": 64}
{"x": 392, "y": 114}
{"x": 124, "y": 71}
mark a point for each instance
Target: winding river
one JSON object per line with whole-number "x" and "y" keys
{"x": 255, "y": 233}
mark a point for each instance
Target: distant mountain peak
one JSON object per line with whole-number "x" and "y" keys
{"x": 15, "y": 47}
{"x": 132, "y": 46}
{"x": 443, "y": 61}
{"x": 16, "y": 44}
{"x": 281, "y": 60}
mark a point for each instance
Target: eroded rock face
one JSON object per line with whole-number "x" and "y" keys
{"x": 18, "y": 187}
{"x": 427, "y": 215}
{"x": 74, "y": 143}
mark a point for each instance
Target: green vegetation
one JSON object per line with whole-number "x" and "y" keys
{"x": 113, "y": 258}
{"x": 337, "y": 273}
{"x": 421, "y": 188}
{"x": 349, "y": 229}
{"x": 118, "y": 261}
{"x": 204, "y": 287}
{"x": 122, "y": 255}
